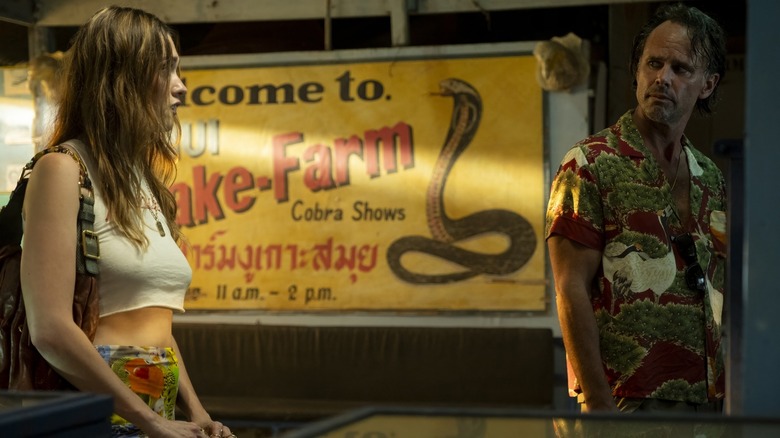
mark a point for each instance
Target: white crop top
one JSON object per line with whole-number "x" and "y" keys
{"x": 131, "y": 278}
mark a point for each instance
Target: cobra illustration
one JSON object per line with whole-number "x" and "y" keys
{"x": 447, "y": 231}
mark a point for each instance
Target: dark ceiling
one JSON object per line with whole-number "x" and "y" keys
{"x": 588, "y": 22}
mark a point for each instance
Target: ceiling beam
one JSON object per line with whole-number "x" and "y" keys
{"x": 17, "y": 11}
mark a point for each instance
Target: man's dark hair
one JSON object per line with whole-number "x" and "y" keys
{"x": 708, "y": 42}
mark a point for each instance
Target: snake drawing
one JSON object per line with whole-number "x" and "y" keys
{"x": 447, "y": 231}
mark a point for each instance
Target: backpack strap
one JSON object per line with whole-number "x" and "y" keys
{"x": 88, "y": 246}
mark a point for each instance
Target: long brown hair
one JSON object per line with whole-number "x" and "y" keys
{"x": 115, "y": 71}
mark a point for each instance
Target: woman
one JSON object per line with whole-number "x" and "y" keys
{"x": 118, "y": 107}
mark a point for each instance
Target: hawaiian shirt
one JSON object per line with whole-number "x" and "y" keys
{"x": 658, "y": 337}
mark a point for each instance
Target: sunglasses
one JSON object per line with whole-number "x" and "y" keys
{"x": 694, "y": 274}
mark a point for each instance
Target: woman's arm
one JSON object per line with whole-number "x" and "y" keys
{"x": 48, "y": 277}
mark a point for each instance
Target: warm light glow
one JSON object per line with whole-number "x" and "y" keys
{"x": 16, "y": 117}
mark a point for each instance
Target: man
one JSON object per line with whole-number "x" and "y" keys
{"x": 636, "y": 235}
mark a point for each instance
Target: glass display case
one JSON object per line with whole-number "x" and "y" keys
{"x": 390, "y": 422}
{"x": 54, "y": 414}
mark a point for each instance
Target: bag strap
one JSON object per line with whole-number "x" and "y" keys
{"x": 88, "y": 246}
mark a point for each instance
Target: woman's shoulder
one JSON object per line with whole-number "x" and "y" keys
{"x": 52, "y": 187}
{"x": 53, "y": 158}
{"x": 81, "y": 154}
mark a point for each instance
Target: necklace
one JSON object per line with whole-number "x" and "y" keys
{"x": 151, "y": 203}
{"x": 677, "y": 168}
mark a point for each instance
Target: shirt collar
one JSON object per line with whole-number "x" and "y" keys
{"x": 631, "y": 143}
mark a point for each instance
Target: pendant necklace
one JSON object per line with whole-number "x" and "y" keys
{"x": 154, "y": 207}
{"x": 674, "y": 183}
{"x": 160, "y": 228}
{"x": 677, "y": 169}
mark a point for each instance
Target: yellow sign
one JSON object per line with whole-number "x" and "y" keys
{"x": 400, "y": 185}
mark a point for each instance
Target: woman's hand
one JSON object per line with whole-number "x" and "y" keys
{"x": 175, "y": 429}
{"x": 186, "y": 429}
{"x": 215, "y": 429}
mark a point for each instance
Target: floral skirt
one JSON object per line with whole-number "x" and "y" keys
{"x": 150, "y": 372}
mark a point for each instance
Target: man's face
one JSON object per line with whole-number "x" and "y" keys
{"x": 669, "y": 78}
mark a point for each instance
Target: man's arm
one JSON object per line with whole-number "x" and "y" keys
{"x": 574, "y": 267}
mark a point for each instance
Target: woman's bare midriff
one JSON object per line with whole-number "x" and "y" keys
{"x": 146, "y": 327}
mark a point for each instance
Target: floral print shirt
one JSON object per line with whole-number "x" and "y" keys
{"x": 658, "y": 338}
